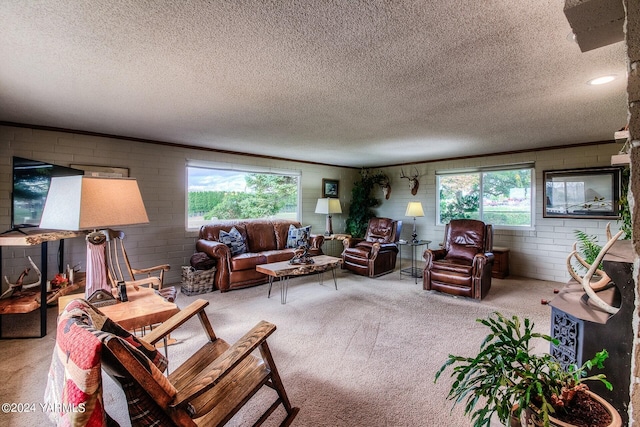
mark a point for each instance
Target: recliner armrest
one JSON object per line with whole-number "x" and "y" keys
{"x": 351, "y": 242}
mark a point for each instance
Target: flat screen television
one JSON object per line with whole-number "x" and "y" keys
{"x": 31, "y": 180}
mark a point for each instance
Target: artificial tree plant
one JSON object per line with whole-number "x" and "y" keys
{"x": 362, "y": 200}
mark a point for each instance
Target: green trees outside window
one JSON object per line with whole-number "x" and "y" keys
{"x": 223, "y": 194}
{"x": 499, "y": 197}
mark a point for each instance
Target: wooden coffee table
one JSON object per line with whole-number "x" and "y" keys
{"x": 283, "y": 270}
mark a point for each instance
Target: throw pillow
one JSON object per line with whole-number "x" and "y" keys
{"x": 298, "y": 236}
{"x": 234, "y": 240}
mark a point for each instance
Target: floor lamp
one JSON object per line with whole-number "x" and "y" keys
{"x": 328, "y": 206}
{"x": 414, "y": 209}
{"x": 93, "y": 203}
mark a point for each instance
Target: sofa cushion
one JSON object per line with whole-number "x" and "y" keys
{"x": 234, "y": 240}
{"x": 296, "y": 235}
{"x": 260, "y": 236}
{"x": 247, "y": 261}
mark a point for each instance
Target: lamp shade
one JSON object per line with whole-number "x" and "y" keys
{"x": 89, "y": 203}
{"x": 328, "y": 206}
{"x": 414, "y": 209}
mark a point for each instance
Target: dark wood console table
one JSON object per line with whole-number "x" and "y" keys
{"x": 583, "y": 329}
{"x": 29, "y": 303}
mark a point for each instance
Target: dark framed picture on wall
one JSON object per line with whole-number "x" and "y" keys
{"x": 582, "y": 193}
{"x": 330, "y": 188}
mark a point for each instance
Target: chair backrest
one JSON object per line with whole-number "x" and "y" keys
{"x": 383, "y": 230}
{"x": 118, "y": 266}
{"x": 464, "y": 238}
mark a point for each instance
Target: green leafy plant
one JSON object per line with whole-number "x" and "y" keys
{"x": 588, "y": 247}
{"x": 362, "y": 201}
{"x": 505, "y": 374}
{"x": 625, "y": 211}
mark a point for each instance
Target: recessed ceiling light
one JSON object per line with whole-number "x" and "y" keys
{"x": 572, "y": 37}
{"x": 602, "y": 80}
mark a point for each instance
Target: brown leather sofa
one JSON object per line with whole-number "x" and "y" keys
{"x": 265, "y": 241}
{"x": 463, "y": 266}
{"x": 376, "y": 253}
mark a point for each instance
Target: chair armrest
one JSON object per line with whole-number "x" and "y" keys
{"x": 163, "y": 267}
{"x": 350, "y": 242}
{"x": 175, "y": 321}
{"x": 316, "y": 241}
{"x": 431, "y": 255}
{"x": 226, "y": 362}
{"x": 480, "y": 261}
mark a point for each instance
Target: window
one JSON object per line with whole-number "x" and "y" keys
{"x": 240, "y": 193}
{"x": 501, "y": 196}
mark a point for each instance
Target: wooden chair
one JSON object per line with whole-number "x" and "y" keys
{"x": 119, "y": 269}
{"x": 211, "y": 386}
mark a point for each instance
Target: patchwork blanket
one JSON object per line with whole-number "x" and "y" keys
{"x": 74, "y": 386}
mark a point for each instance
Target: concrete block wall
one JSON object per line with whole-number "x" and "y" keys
{"x": 161, "y": 174}
{"x": 539, "y": 252}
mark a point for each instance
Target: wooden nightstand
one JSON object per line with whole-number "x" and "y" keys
{"x": 500, "y": 268}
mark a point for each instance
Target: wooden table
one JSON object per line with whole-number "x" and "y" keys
{"x": 283, "y": 270}
{"x": 29, "y": 301}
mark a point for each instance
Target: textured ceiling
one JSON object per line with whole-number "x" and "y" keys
{"x": 352, "y": 83}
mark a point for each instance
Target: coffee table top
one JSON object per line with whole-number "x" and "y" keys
{"x": 283, "y": 268}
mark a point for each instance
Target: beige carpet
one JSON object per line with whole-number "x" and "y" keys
{"x": 364, "y": 355}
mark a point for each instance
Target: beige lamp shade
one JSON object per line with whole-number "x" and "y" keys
{"x": 328, "y": 206}
{"x": 414, "y": 209}
{"x": 89, "y": 203}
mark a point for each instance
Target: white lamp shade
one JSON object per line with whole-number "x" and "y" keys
{"x": 414, "y": 209}
{"x": 88, "y": 203}
{"x": 328, "y": 206}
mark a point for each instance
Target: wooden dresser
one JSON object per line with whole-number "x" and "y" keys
{"x": 500, "y": 268}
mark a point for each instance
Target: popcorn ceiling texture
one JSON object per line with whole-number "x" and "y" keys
{"x": 365, "y": 83}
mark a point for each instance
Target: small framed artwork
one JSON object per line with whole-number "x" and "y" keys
{"x": 330, "y": 188}
{"x": 103, "y": 171}
{"x": 582, "y": 193}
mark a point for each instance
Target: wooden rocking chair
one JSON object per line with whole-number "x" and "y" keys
{"x": 211, "y": 386}
{"x": 119, "y": 269}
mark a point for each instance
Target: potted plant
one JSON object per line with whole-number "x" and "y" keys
{"x": 362, "y": 201}
{"x": 507, "y": 379}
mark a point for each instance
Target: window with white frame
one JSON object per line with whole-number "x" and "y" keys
{"x": 499, "y": 195}
{"x": 222, "y": 191}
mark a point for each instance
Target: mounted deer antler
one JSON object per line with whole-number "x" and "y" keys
{"x": 386, "y": 186}
{"x": 413, "y": 181}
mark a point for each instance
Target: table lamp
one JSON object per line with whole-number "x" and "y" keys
{"x": 414, "y": 209}
{"x": 328, "y": 206}
{"x": 91, "y": 203}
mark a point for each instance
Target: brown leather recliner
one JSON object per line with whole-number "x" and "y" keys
{"x": 376, "y": 253}
{"x": 463, "y": 265}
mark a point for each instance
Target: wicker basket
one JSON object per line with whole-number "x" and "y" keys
{"x": 196, "y": 281}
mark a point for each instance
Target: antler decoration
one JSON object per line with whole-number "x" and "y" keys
{"x": 586, "y": 280}
{"x": 413, "y": 181}
{"x": 18, "y": 286}
{"x": 604, "y": 277}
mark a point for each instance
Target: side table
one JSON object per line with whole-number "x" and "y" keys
{"x": 412, "y": 271}
{"x": 333, "y": 240}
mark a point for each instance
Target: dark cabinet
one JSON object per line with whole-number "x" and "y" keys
{"x": 500, "y": 268}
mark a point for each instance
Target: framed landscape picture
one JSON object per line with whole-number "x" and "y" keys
{"x": 330, "y": 188}
{"x": 582, "y": 193}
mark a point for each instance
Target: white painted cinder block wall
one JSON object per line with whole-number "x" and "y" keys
{"x": 539, "y": 253}
{"x": 160, "y": 171}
